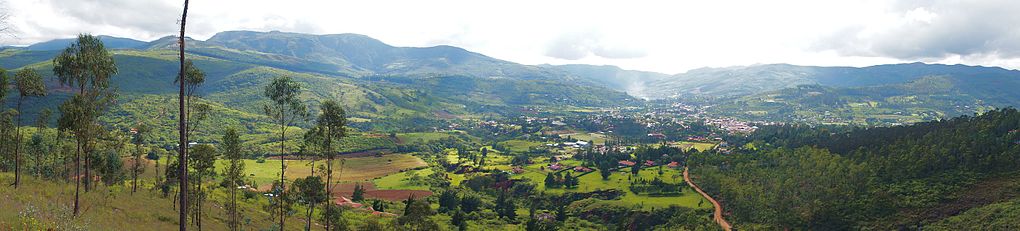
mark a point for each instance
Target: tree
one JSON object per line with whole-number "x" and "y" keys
{"x": 182, "y": 126}
{"x": 458, "y": 219}
{"x": 7, "y": 127}
{"x": 203, "y": 163}
{"x": 568, "y": 181}
{"x": 195, "y": 112}
{"x": 551, "y": 181}
{"x": 470, "y": 203}
{"x": 330, "y": 127}
{"x": 87, "y": 65}
{"x": 333, "y": 215}
{"x": 505, "y": 207}
{"x": 377, "y": 205}
{"x": 448, "y": 201}
{"x": 233, "y": 176}
{"x": 285, "y": 109}
{"x": 485, "y": 153}
{"x": 29, "y": 84}
{"x": 138, "y": 138}
{"x": 42, "y": 121}
{"x": 310, "y": 190}
{"x": 359, "y": 193}
{"x": 417, "y": 215}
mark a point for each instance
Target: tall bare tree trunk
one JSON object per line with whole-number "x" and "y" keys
{"x": 182, "y": 129}
{"x": 17, "y": 148}
{"x": 88, "y": 177}
{"x": 134, "y": 175}
{"x": 77, "y": 176}
{"x": 283, "y": 185}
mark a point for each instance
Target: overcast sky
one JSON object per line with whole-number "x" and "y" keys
{"x": 664, "y": 36}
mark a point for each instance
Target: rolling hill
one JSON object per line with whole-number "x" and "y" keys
{"x": 383, "y": 87}
{"x": 748, "y": 80}
{"x": 876, "y": 95}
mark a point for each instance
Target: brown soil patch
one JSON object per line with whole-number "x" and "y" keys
{"x": 347, "y": 190}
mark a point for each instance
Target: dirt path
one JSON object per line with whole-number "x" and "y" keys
{"x": 718, "y": 217}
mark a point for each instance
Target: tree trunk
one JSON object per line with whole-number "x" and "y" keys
{"x": 329, "y": 187}
{"x": 311, "y": 209}
{"x": 77, "y": 176}
{"x": 88, "y": 177}
{"x": 283, "y": 185}
{"x": 17, "y": 148}
{"x": 182, "y": 130}
{"x": 134, "y": 174}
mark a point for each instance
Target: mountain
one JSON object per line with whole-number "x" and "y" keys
{"x": 875, "y": 95}
{"x": 376, "y": 82}
{"x": 359, "y": 55}
{"x": 630, "y": 81}
{"x": 747, "y": 80}
{"x": 109, "y": 41}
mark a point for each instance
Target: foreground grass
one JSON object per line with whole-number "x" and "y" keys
{"x": 43, "y": 204}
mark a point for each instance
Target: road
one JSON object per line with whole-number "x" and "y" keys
{"x": 718, "y": 217}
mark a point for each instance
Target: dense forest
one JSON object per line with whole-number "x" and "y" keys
{"x": 791, "y": 176}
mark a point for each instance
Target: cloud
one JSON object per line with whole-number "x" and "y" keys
{"x": 575, "y": 46}
{"x": 933, "y": 30}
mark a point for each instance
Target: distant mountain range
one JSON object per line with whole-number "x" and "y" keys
{"x": 379, "y": 80}
{"x": 883, "y": 94}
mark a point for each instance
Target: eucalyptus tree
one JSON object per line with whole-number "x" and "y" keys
{"x": 138, "y": 139}
{"x": 285, "y": 108}
{"x": 331, "y": 127}
{"x": 4, "y": 131}
{"x": 29, "y": 84}
{"x": 182, "y": 127}
{"x": 309, "y": 190}
{"x": 233, "y": 176}
{"x": 41, "y": 123}
{"x": 88, "y": 66}
{"x": 195, "y": 112}
{"x": 202, "y": 159}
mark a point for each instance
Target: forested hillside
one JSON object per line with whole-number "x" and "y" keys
{"x": 818, "y": 178}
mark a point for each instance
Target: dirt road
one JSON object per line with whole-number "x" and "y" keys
{"x": 718, "y": 208}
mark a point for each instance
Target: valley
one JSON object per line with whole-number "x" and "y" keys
{"x": 442, "y": 138}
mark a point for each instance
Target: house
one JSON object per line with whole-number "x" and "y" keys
{"x": 657, "y": 135}
{"x": 582, "y": 169}
{"x": 582, "y": 143}
{"x": 517, "y": 170}
{"x": 343, "y": 201}
{"x": 649, "y": 163}
{"x": 555, "y": 167}
{"x": 673, "y": 164}
{"x": 626, "y": 163}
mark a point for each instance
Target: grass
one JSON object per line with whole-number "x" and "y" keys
{"x": 400, "y": 181}
{"x": 519, "y": 146}
{"x": 618, "y": 180}
{"x": 355, "y": 169}
{"x": 422, "y": 137}
{"x": 42, "y": 204}
{"x": 595, "y": 138}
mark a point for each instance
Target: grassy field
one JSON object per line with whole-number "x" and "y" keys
{"x": 42, "y": 205}
{"x": 355, "y": 169}
{"x": 593, "y": 137}
{"x": 519, "y": 146}
{"x": 700, "y": 146}
{"x": 593, "y": 182}
{"x": 422, "y": 137}
{"x": 400, "y": 181}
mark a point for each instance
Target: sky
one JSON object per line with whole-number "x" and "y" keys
{"x": 669, "y": 36}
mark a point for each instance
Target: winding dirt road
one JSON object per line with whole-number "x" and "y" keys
{"x": 718, "y": 217}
